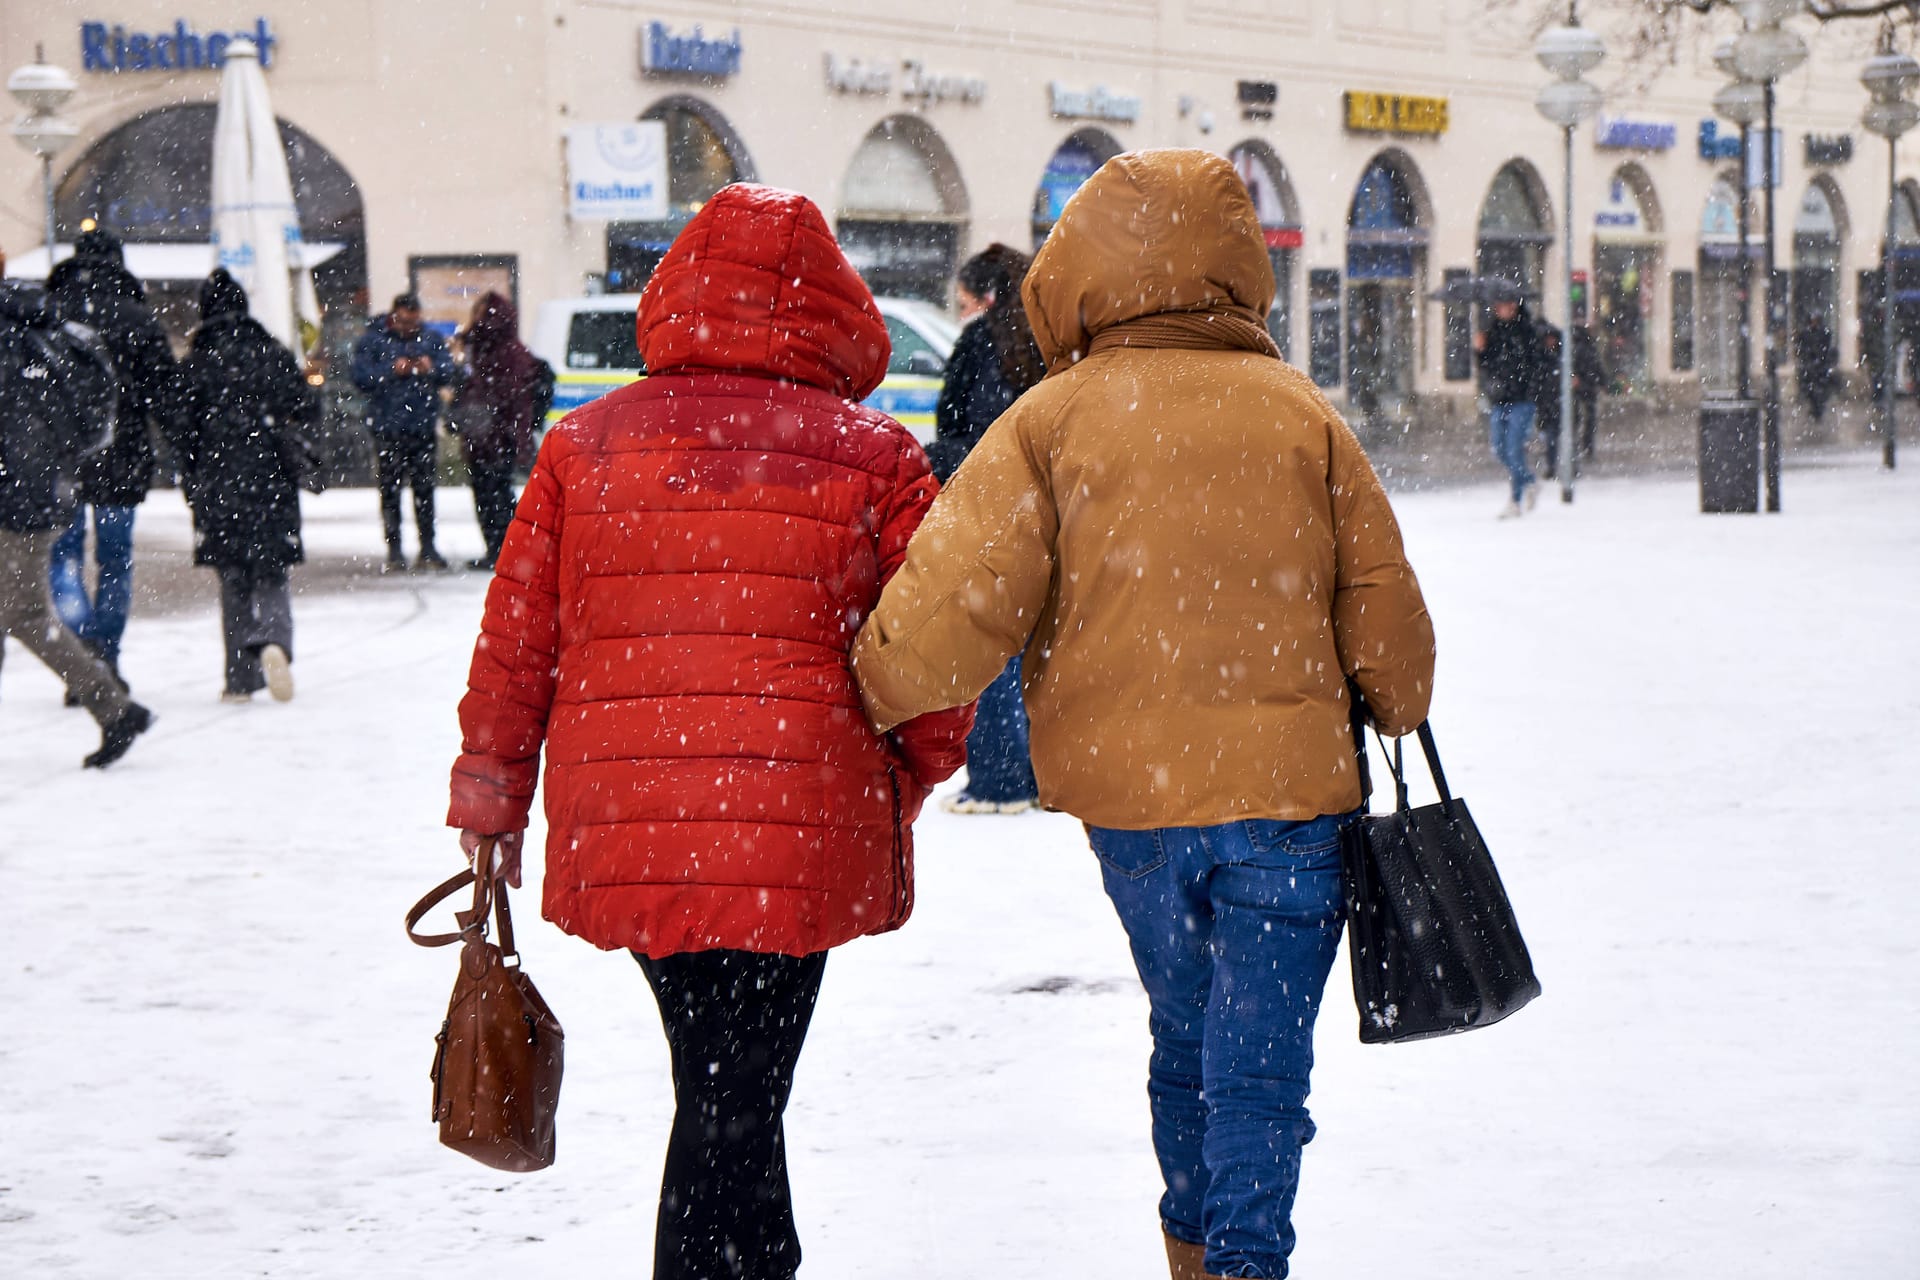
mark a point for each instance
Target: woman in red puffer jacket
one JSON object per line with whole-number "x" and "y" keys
{"x": 670, "y": 619}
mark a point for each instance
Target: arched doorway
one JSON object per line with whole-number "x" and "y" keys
{"x": 1819, "y": 229}
{"x": 1516, "y": 221}
{"x": 150, "y": 182}
{"x": 1386, "y": 264}
{"x": 1721, "y": 290}
{"x": 704, "y": 154}
{"x": 903, "y": 211}
{"x": 1072, "y": 163}
{"x": 1628, "y": 238}
{"x": 1279, "y": 213}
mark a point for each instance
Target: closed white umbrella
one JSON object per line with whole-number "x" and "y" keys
{"x": 255, "y": 222}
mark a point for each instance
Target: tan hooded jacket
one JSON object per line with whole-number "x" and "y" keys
{"x": 1178, "y": 529}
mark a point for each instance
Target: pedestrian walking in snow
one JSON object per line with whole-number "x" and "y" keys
{"x": 94, "y": 288}
{"x": 243, "y": 450}
{"x": 401, "y": 365}
{"x": 1589, "y": 381}
{"x": 1507, "y": 354}
{"x": 1194, "y": 554}
{"x": 494, "y": 415}
{"x": 1815, "y": 358}
{"x": 993, "y": 364}
{"x": 669, "y": 622}
{"x": 56, "y": 407}
{"x": 1546, "y": 395}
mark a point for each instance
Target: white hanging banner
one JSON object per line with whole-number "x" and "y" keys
{"x": 617, "y": 172}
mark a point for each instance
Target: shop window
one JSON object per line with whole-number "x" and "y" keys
{"x": 1682, "y": 321}
{"x": 1076, "y": 160}
{"x": 1457, "y": 322}
{"x": 704, "y": 154}
{"x": 903, "y": 211}
{"x": 1323, "y": 327}
{"x": 449, "y": 285}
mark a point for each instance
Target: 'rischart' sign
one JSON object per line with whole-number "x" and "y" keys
{"x": 113, "y": 49}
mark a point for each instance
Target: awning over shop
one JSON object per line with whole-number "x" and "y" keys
{"x": 163, "y": 261}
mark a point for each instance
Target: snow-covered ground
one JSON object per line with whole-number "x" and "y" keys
{"x": 1694, "y": 744}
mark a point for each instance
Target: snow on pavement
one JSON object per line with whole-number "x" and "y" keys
{"x": 1690, "y": 741}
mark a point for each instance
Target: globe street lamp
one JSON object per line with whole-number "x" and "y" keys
{"x": 1889, "y": 77}
{"x": 1762, "y": 55}
{"x": 1742, "y": 104}
{"x": 1568, "y": 52}
{"x": 43, "y": 89}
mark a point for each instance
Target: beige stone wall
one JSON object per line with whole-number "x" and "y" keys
{"x": 450, "y": 115}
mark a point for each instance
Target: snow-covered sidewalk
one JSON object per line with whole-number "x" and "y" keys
{"x": 1691, "y": 741}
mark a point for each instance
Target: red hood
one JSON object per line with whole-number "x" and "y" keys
{"x": 757, "y": 284}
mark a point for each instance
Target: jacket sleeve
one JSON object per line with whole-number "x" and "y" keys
{"x": 952, "y": 415}
{"x": 976, "y": 576}
{"x": 503, "y": 718}
{"x": 934, "y": 746}
{"x": 372, "y": 366}
{"x": 444, "y": 373}
{"x": 1380, "y": 622}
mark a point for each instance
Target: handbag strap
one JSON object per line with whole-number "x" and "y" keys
{"x": 1433, "y": 761}
{"x": 488, "y": 891}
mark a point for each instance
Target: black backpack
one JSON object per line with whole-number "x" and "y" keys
{"x": 82, "y": 375}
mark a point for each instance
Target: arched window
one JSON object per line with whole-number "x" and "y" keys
{"x": 1072, "y": 163}
{"x": 1386, "y": 266}
{"x": 903, "y": 211}
{"x": 704, "y": 154}
{"x": 1279, "y": 212}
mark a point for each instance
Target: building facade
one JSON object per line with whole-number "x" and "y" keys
{"x": 1390, "y": 146}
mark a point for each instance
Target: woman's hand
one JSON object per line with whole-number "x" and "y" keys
{"x": 506, "y": 853}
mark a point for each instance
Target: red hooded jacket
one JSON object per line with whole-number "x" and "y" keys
{"x": 673, "y": 606}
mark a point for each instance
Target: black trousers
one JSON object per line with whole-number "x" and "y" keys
{"x": 493, "y": 501}
{"x": 735, "y": 1021}
{"x": 407, "y": 462}
{"x": 1586, "y": 415}
{"x": 256, "y": 610}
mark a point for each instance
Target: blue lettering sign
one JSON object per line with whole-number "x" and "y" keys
{"x": 1714, "y": 146}
{"x": 1637, "y": 135}
{"x": 662, "y": 53}
{"x": 114, "y": 49}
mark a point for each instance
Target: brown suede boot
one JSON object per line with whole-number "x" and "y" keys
{"x": 1186, "y": 1261}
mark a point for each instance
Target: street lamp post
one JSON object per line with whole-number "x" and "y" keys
{"x": 1889, "y": 77}
{"x": 1568, "y": 52}
{"x": 1740, "y": 104}
{"x": 43, "y": 89}
{"x": 1762, "y": 55}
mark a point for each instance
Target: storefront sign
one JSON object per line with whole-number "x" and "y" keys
{"x": 1097, "y": 103}
{"x": 1258, "y": 98}
{"x": 916, "y": 83}
{"x": 1829, "y": 148}
{"x": 113, "y": 49}
{"x": 664, "y": 53}
{"x": 1617, "y": 133}
{"x": 1395, "y": 113}
{"x": 617, "y": 172}
{"x": 1620, "y": 216}
{"x": 1715, "y": 145}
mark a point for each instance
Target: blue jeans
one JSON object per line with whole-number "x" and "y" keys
{"x": 999, "y": 766}
{"x": 1234, "y": 930}
{"x": 1512, "y": 428}
{"x": 101, "y": 619}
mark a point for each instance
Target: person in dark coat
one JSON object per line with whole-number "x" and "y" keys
{"x": 243, "y": 452}
{"x": 1546, "y": 395}
{"x": 47, "y": 426}
{"x": 994, "y": 363}
{"x": 400, "y": 365}
{"x": 1815, "y": 358}
{"x": 1589, "y": 380}
{"x": 493, "y": 415}
{"x": 95, "y": 289}
{"x": 1507, "y": 351}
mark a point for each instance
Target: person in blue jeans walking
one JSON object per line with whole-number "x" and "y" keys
{"x": 94, "y": 288}
{"x": 1193, "y": 556}
{"x": 1508, "y": 354}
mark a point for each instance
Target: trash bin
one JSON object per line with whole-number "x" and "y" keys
{"x": 1729, "y": 456}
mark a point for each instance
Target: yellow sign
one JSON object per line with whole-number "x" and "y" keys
{"x": 1395, "y": 113}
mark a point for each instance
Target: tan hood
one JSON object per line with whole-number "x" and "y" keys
{"x": 1152, "y": 232}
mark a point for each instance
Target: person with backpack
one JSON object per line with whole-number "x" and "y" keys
{"x": 668, "y": 626}
{"x": 993, "y": 364}
{"x": 496, "y": 414}
{"x": 1507, "y": 352}
{"x": 1196, "y": 557}
{"x": 58, "y": 404}
{"x": 243, "y": 452}
{"x": 94, "y": 288}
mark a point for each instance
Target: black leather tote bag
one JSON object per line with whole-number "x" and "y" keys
{"x": 1434, "y": 944}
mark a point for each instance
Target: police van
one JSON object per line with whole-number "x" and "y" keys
{"x": 591, "y": 345}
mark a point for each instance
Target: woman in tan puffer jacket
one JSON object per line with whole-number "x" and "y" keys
{"x": 1196, "y": 558}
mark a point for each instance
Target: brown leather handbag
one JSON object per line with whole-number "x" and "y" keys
{"x": 496, "y": 1068}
